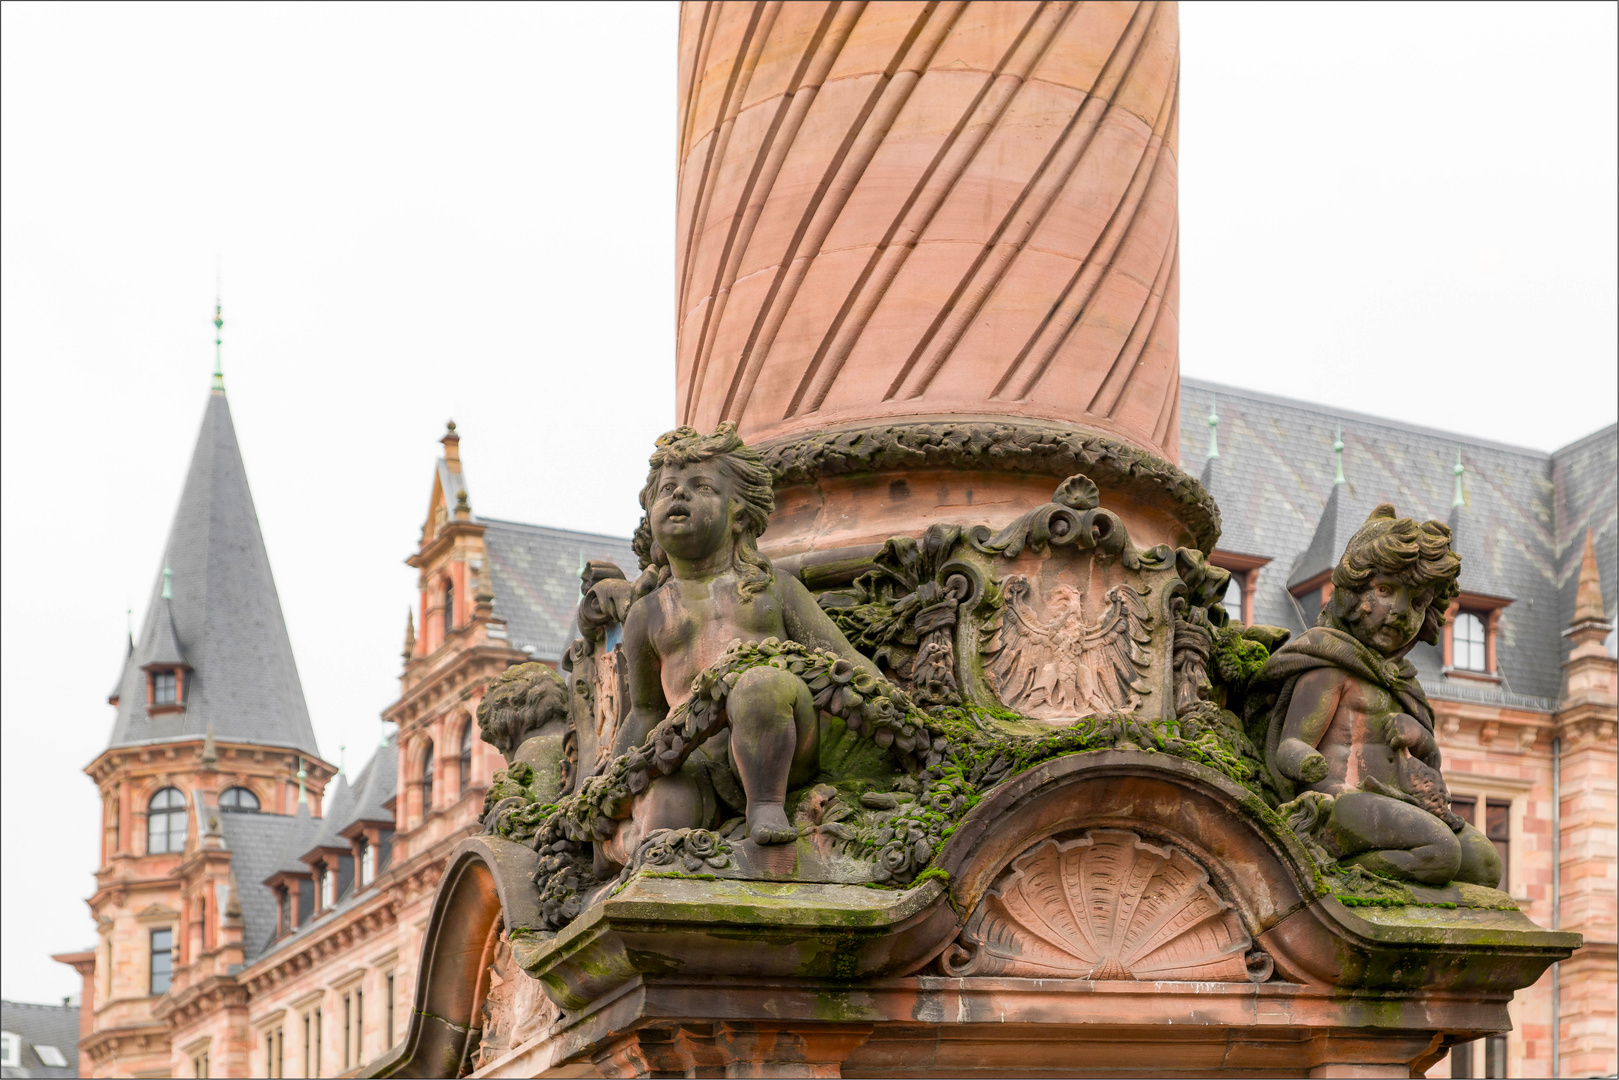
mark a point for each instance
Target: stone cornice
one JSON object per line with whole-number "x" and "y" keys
{"x": 207, "y": 995}
{"x": 990, "y": 445}
{"x": 453, "y": 679}
{"x": 145, "y": 1038}
{"x": 442, "y": 541}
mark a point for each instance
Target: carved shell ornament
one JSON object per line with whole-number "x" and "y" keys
{"x": 1108, "y": 905}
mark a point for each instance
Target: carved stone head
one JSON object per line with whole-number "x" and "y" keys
{"x": 519, "y": 704}
{"x": 704, "y": 492}
{"x": 1394, "y": 583}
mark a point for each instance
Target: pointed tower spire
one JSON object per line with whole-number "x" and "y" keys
{"x": 1588, "y": 594}
{"x": 1338, "y": 457}
{"x": 214, "y": 610}
{"x": 219, "y": 337}
{"x": 1214, "y": 430}
{"x": 1458, "y": 499}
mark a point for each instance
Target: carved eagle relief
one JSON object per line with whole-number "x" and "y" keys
{"x": 1060, "y": 665}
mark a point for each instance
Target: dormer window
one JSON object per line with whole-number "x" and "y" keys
{"x": 165, "y": 687}
{"x": 1468, "y": 643}
{"x": 1471, "y": 633}
{"x": 239, "y": 800}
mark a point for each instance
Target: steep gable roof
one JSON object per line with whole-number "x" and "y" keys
{"x": 258, "y": 843}
{"x": 534, "y": 574}
{"x": 224, "y": 619}
{"x": 1520, "y": 531}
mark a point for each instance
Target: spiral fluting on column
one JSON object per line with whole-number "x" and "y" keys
{"x": 904, "y": 209}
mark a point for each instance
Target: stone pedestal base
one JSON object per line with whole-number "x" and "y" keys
{"x": 931, "y": 1026}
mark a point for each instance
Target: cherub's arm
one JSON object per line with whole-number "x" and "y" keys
{"x": 807, "y": 624}
{"x": 648, "y": 706}
{"x": 1316, "y": 697}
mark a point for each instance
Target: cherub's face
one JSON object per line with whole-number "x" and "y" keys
{"x": 693, "y": 512}
{"x": 1389, "y": 614}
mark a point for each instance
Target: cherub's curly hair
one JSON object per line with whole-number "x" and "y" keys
{"x": 519, "y": 702}
{"x": 750, "y": 483}
{"x": 1418, "y": 555}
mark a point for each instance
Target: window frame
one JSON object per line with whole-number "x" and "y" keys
{"x": 1463, "y": 640}
{"x": 165, "y": 686}
{"x": 429, "y": 772}
{"x": 449, "y": 608}
{"x": 1247, "y": 569}
{"x": 152, "y": 953}
{"x": 10, "y": 1050}
{"x": 234, "y": 806}
{"x": 1488, "y": 610}
{"x": 464, "y": 759}
{"x": 168, "y": 813}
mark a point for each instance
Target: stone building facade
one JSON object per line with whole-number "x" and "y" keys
{"x": 1524, "y": 682}
{"x": 266, "y": 918}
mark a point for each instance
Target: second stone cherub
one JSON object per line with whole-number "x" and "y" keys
{"x": 1351, "y": 721}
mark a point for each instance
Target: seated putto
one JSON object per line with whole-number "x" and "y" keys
{"x": 1351, "y": 723}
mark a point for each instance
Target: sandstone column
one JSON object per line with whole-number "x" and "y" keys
{"x": 895, "y": 213}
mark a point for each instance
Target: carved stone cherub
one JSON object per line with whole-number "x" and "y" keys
{"x": 1351, "y": 722}
{"x": 706, "y": 500}
{"x": 524, "y": 715}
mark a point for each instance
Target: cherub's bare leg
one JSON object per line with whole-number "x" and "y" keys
{"x": 1394, "y": 838}
{"x": 772, "y": 729}
{"x": 1481, "y": 863}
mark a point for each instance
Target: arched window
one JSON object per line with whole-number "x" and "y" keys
{"x": 427, "y": 779}
{"x": 466, "y": 757}
{"x": 239, "y": 800}
{"x": 1467, "y": 641}
{"x": 166, "y": 822}
{"x": 449, "y": 608}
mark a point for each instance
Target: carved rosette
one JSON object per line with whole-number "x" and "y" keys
{"x": 1107, "y": 905}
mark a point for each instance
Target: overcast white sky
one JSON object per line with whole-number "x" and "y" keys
{"x": 427, "y": 211}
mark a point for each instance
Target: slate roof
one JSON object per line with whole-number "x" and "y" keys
{"x": 261, "y": 845}
{"x": 42, "y": 1025}
{"x": 534, "y": 574}
{"x": 336, "y": 811}
{"x": 376, "y": 784}
{"x": 1520, "y": 532}
{"x": 226, "y": 616}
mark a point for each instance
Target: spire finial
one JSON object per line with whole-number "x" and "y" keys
{"x": 1457, "y": 499}
{"x": 1588, "y": 589}
{"x": 168, "y": 576}
{"x": 210, "y": 755}
{"x": 382, "y": 726}
{"x": 1338, "y": 456}
{"x": 303, "y": 796}
{"x": 1214, "y": 430}
{"x": 342, "y": 754}
{"x": 219, "y": 336}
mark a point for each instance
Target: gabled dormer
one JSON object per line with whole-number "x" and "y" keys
{"x": 166, "y": 668}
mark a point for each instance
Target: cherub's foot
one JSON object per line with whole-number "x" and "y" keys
{"x": 769, "y": 825}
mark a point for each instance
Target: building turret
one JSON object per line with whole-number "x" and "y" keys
{"x": 210, "y": 719}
